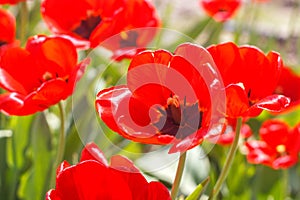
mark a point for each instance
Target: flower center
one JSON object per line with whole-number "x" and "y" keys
{"x": 174, "y": 107}
{"x": 87, "y": 26}
{"x": 179, "y": 119}
{"x": 2, "y": 43}
{"x": 47, "y": 76}
{"x": 128, "y": 39}
{"x": 281, "y": 149}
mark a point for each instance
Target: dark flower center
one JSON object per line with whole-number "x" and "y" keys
{"x": 87, "y": 26}
{"x": 179, "y": 119}
{"x": 222, "y": 10}
{"x": 2, "y": 43}
{"x": 128, "y": 39}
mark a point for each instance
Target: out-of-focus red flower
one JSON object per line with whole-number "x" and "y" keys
{"x": 92, "y": 178}
{"x": 220, "y": 10}
{"x": 140, "y": 26}
{"x": 226, "y": 133}
{"x": 165, "y": 101}
{"x": 288, "y": 85}
{"x": 38, "y": 76}
{"x": 87, "y": 22}
{"x": 10, "y": 1}
{"x": 278, "y": 147}
{"x": 250, "y": 78}
{"x": 8, "y": 31}
{"x": 90, "y": 22}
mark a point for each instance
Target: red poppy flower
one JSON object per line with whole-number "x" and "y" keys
{"x": 92, "y": 178}
{"x": 220, "y": 10}
{"x": 10, "y": 1}
{"x": 279, "y": 145}
{"x": 38, "y": 76}
{"x": 244, "y": 71}
{"x": 165, "y": 101}
{"x": 8, "y": 33}
{"x": 288, "y": 85}
{"x": 92, "y": 22}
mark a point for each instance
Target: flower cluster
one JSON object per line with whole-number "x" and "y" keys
{"x": 178, "y": 99}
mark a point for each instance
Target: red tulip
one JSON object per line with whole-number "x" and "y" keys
{"x": 140, "y": 26}
{"x": 8, "y": 31}
{"x": 92, "y": 178}
{"x": 279, "y": 145}
{"x": 288, "y": 85}
{"x": 91, "y": 22}
{"x": 10, "y": 1}
{"x": 250, "y": 78}
{"x": 38, "y": 76}
{"x": 220, "y": 10}
{"x": 165, "y": 101}
{"x": 85, "y": 21}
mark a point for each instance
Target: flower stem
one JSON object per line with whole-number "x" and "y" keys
{"x": 24, "y": 21}
{"x": 178, "y": 175}
{"x": 61, "y": 145}
{"x": 228, "y": 161}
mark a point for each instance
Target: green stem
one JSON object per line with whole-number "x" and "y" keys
{"x": 61, "y": 144}
{"x": 228, "y": 161}
{"x": 285, "y": 189}
{"x": 24, "y": 22}
{"x": 178, "y": 175}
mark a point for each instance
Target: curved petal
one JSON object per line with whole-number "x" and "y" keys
{"x": 285, "y": 162}
{"x": 92, "y": 152}
{"x": 64, "y": 165}
{"x": 135, "y": 180}
{"x": 265, "y": 69}
{"x": 91, "y": 180}
{"x": 236, "y": 101}
{"x": 189, "y": 142}
{"x": 146, "y": 76}
{"x": 52, "y": 195}
{"x": 228, "y": 61}
{"x": 122, "y": 163}
{"x": 53, "y": 49}
{"x": 7, "y": 26}
{"x": 50, "y": 93}
{"x": 210, "y": 83}
{"x": 11, "y": 103}
{"x": 184, "y": 80}
{"x": 288, "y": 85}
{"x": 16, "y": 62}
{"x": 273, "y": 103}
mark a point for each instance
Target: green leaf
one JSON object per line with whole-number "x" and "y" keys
{"x": 196, "y": 194}
{"x": 36, "y": 181}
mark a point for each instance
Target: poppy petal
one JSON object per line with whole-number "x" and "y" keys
{"x": 237, "y": 101}
{"x": 92, "y": 152}
{"x": 91, "y": 180}
{"x": 273, "y": 103}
